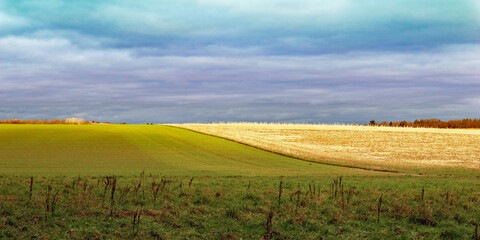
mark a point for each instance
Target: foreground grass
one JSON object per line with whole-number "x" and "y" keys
{"x": 159, "y": 207}
{"x": 159, "y": 182}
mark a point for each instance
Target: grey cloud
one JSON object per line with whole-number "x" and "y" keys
{"x": 307, "y": 27}
{"x": 45, "y": 78}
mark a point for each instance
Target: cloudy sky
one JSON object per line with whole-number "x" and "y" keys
{"x": 166, "y": 61}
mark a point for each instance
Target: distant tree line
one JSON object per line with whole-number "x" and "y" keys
{"x": 74, "y": 121}
{"x": 432, "y": 123}
{"x": 54, "y": 121}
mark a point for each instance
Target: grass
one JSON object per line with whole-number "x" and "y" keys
{"x": 160, "y": 182}
{"x": 128, "y": 149}
{"x": 389, "y": 147}
{"x": 226, "y": 208}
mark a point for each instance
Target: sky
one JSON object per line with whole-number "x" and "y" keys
{"x": 176, "y": 61}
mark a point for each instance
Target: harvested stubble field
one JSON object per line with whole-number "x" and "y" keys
{"x": 360, "y": 145}
{"x": 160, "y": 182}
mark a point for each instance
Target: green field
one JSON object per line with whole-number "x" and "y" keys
{"x": 90, "y": 180}
{"x": 130, "y": 149}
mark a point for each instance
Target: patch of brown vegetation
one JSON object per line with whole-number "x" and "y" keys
{"x": 380, "y": 146}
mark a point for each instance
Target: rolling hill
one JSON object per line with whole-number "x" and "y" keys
{"x": 129, "y": 149}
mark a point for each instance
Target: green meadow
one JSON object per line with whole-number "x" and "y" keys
{"x": 160, "y": 182}
{"x": 130, "y": 149}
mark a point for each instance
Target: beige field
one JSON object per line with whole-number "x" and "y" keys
{"x": 378, "y": 146}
